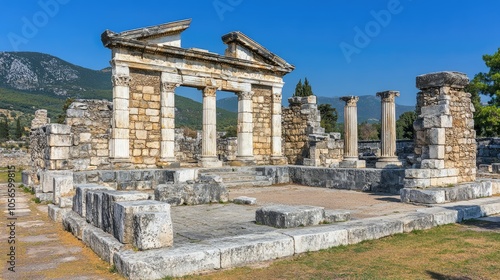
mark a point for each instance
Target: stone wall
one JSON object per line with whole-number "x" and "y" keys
{"x": 262, "y": 105}
{"x": 299, "y": 120}
{"x": 325, "y": 150}
{"x": 90, "y": 122}
{"x": 14, "y": 157}
{"x": 488, "y": 150}
{"x": 370, "y": 151}
{"x": 144, "y": 109}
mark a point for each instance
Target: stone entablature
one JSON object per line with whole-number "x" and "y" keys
{"x": 155, "y": 52}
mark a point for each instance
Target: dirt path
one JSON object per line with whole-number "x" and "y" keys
{"x": 43, "y": 250}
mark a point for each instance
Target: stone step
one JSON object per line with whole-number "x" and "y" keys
{"x": 238, "y": 178}
{"x": 248, "y": 184}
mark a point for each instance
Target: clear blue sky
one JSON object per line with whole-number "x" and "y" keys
{"x": 420, "y": 36}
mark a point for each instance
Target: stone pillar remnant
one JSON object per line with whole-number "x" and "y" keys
{"x": 351, "y": 159}
{"x": 209, "y": 134}
{"x": 119, "y": 147}
{"x": 276, "y": 128}
{"x": 388, "y": 158}
{"x": 167, "y": 106}
{"x": 245, "y": 127}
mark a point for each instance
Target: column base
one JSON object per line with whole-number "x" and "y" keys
{"x": 388, "y": 162}
{"x": 279, "y": 160}
{"x": 352, "y": 164}
{"x": 243, "y": 161}
{"x": 210, "y": 162}
{"x": 120, "y": 163}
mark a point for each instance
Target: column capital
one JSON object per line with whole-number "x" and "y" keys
{"x": 277, "y": 97}
{"x": 121, "y": 80}
{"x": 245, "y": 95}
{"x": 209, "y": 91}
{"x": 350, "y": 100}
{"x": 168, "y": 86}
{"x": 388, "y": 96}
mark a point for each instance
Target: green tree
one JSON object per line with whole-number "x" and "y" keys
{"x": 368, "y": 131}
{"x": 299, "y": 89}
{"x": 4, "y": 129}
{"x": 404, "y": 125}
{"x": 486, "y": 117}
{"x": 62, "y": 117}
{"x": 19, "y": 129}
{"x": 303, "y": 89}
{"x": 329, "y": 117}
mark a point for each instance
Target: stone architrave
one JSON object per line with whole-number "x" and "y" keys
{"x": 245, "y": 127}
{"x": 119, "y": 146}
{"x": 167, "y": 100}
{"x": 276, "y": 128}
{"x": 351, "y": 159}
{"x": 209, "y": 134}
{"x": 388, "y": 158}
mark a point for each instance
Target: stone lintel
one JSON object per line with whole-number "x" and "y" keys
{"x": 442, "y": 79}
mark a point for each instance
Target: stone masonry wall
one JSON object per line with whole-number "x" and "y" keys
{"x": 90, "y": 122}
{"x": 262, "y": 106}
{"x": 144, "y": 118}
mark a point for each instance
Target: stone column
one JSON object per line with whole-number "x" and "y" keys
{"x": 167, "y": 104}
{"x": 245, "y": 128}
{"x": 277, "y": 157}
{"x": 351, "y": 134}
{"x": 119, "y": 146}
{"x": 388, "y": 158}
{"x": 209, "y": 134}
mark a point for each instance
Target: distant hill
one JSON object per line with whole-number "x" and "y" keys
{"x": 369, "y": 108}
{"x": 30, "y": 81}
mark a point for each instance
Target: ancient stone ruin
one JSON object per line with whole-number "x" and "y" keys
{"x": 115, "y": 170}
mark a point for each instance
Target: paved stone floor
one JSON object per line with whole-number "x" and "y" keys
{"x": 195, "y": 223}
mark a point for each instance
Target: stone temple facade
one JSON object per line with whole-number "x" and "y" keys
{"x": 149, "y": 64}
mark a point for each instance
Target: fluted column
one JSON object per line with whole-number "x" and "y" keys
{"x": 388, "y": 156}
{"x": 167, "y": 106}
{"x": 119, "y": 146}
{"x": 351, "y": 134}
{"x": 277, "y": 157}
{"x": 209, "y": 134}
{"x": 245, "y": 126}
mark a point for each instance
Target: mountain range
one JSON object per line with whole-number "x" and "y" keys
{"x": 30, "y": 81}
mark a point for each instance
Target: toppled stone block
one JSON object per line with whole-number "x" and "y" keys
{"x": 153, "y": 230}
{"x": 245, "y": 200}
{"x": 80, "y": 198}
{"x": 124, "y": 212}
{"x": 335, "y": 216}
{"x": 285, "y": 216}
{"x": 192, "y": 193}
{"x": 103, "y": 244}
{"x": 109, "y": 198}
{"x": 318, "y": 238}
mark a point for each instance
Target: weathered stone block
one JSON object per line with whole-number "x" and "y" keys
{"x": 285, "y": 216}
{"x": 190, "y": 193}
{"x": 58, "y": 153}
{"x": 94, "y": 208}
{"x": 442, "y": 216}
{"x": 75, "y": 224}
{"x": 417, "y": 173}
{"x": 436, "y": 151}
{"x": 251, "y": 248}
{"x": 56, "y": 213}
{"x": 436, "y": 136}
{"x": 80, "y": 198}
{"x": 60, "y": 140}
{"x": 432, "y": 164}
{"x": 369, "y": 229}
{"x": 495, "y": 168}
{"x": 433, "y": 196}
{"x": 171, "y": 262}
{"x": 124, "y": 215}
{"x": 109, "y": 198}
{"x": 441, "y": 79}
{"x": 416, "y": 221}
{"x": 315, "y": 239}
{"x": 245, "y": 200}
{"x": 335, "y": 216}
{"x": 488, "y": 168}
{"x": 55, "y": 128}
{"x": 417, "y": 183}
{"x": 66, "y": 202}
{"x": 103, "y": 244}
{"x": 62, "y": 185}
{"x": 435, "y": 110}
{"x": 152, "y": 230}
{"x": 445, "y": 121}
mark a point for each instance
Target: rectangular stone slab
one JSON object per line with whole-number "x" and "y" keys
{"x": 318, "y": 238}
{"x": 103, "y": 244}
{"x": 80, "y": 198}
{"x": 108, "y": 201}
{"x": 369, "y": 229}
{"x": 153, "y": 230}
{"x": 286, "y": 216}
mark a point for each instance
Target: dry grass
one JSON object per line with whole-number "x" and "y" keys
{"x": 4, "y": 175}
{"x": 448, "y": 252}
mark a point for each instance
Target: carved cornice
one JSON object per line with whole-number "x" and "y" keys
{"x": 350, "y": 100}
{"x": 169, "y": 87}
{"x": 121, "y": 80}
{"x": 388, "y": 96}
{"x": 245, "y": 95}
{"x": 209, "y": 91}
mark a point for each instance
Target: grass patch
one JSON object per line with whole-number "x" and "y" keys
{"x": 4, "y": 175}
{"x": 438, "y": 253}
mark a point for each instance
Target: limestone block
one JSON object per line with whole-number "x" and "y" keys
{"x": 152, "y": 230}
{"x": 495, "y": 168}
{"x": 442, "y": 216}
{"x": 94, "y": 208}
{"x": 103, "y": 244}
{"x": 58, "y": 140}
{"x": 444, "y": 181}
{"x": 491, "y": 208}
{"x": 245, "y": 200}
{"x": 58, "y": 153}
{"x": 184, "y": 175}
{"x": 417, "y": 183}
{"x": 319, "y": 238}
{"x": 495, "y": 187}
{"x": 445, "y": 121}
{"x": 436, "y": 136}
{"x": 57, "y": 213}
{"x": 108, "y": 200}
{"x": 75, "y": 224}
{"x": 47, "y": 179}
{"x": 190, "y": 193}
{"x": 168, "y": 262}
{"x": 335, "y": 216}
{"x": 416, "y": 221}
{"x": 123, "y": 216}
{"x": 441, "y": 79}
{"x": 148, "y": 90}
{"x": 285, "y": 216}
{"x": 417, "y": 173}
{"x": 245, "y": 249}
{"x": 66, "y": 202}
{"x": 369, "y": 229}
{"x": 432, "y": 164}
{"x": 435, "y": 110}
{"x": 436, "y": 151}
{"x": 80, "y": 198}
{"x": 62, "y": 185}
{"x": 433, "y": 196}
{"x": 352, "y": 164}
{"x": 55, "y": 128}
